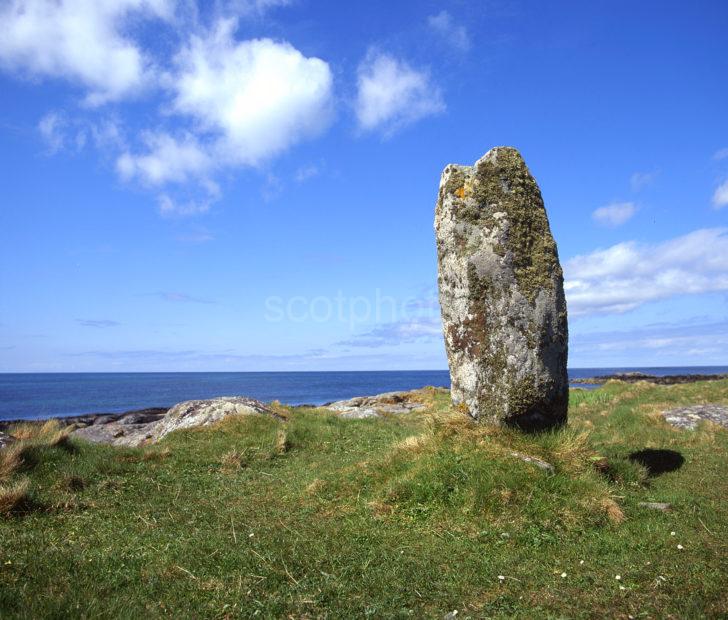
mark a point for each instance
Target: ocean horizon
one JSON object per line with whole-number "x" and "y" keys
{"x": 42, "y": 395}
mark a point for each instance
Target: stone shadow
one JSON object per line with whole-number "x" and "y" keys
{"x": 656, "y": 461}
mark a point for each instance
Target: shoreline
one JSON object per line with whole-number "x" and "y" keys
{"x": 146, "y": 415}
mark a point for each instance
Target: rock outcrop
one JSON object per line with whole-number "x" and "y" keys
{"x": 137, "y": 428}
{"x": 6, "y": 440}
{"x": 374, "y": 406}
{"x": 501, "y": 294}
{"x": 194, "y": 413}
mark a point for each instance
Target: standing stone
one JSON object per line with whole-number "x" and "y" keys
{"x": 501, "y": 294}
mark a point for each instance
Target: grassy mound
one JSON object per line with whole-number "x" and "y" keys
{"x": 411, "y": 515}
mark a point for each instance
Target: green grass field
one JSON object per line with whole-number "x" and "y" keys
{"x": 404, "y": 516}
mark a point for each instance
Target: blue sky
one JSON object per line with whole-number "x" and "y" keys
{"x": 250, "y": 185}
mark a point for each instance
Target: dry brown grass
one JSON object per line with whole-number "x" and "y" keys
{"x": 233, "y": 459}
{"x": 13, "y": 496}
{"x": 613, "y": 511}
{"x": 283, "y": 444}
{"x": 11, "y": 460}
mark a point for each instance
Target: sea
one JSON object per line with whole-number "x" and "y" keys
{"x": 43, "y": 395}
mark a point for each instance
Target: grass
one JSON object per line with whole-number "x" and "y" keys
{"x": 405, "y": 516}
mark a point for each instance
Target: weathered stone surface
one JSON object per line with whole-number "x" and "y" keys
{"x": 374, "y": 406}
{"x": 5, "y": 439}
{"x": 194, "y": 413}
{"x": 137, "y": 428}
{"x": 501, "y": 294}
{"x": 689, "y": 417}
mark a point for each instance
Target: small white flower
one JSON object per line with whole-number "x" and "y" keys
{"x": 672, "y": 533}
{"x": 251, "y": 535}
{"x": 680, "y": 547}
{"x": 622, "y": 588}
{"x": 618, "y": 577}
{"x": 563, "y": 575}
{"x": 501, "y": 577}
{"x": 581, "y": 562}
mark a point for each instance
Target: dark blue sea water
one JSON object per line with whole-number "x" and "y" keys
{"x": 41, "y": 395}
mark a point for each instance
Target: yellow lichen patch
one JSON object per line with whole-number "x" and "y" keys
{"x": 460, "y": 192}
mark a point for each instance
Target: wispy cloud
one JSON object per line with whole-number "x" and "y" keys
{"x": 421, "y": 329}
{"x": 687, "y": 341}
{"x": 454, "y": 34}
{"x": 720, "y": 196}
{"x": 721, "y": 154}
{"x": 614, "y": 214}
{"x": 305, "y": 173}
{"x": 392, "y": 94}
{"x": 640, "y": 180}
{"x": 183, "y": 298}
{"x": 196, "y": 237}
{"x": 629, "y": 274}
{"x": 97, "y": 323}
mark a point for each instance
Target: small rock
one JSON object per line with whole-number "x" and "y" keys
{"x": 547, "y": 467}
{"x": 373, "y": 406}
{"x": 6, "y": 440}
{"x": 663, "y": 506}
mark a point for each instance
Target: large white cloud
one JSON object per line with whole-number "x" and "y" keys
{"x": 81, "y": 40}
{"x": 629, "y": 274}
{"x": 391, "y": 94}
{"x": 259, "y": 96}
{"x": 247, "y": 101}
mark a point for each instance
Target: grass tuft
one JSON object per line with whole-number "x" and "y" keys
{"x": 13, "y": 496}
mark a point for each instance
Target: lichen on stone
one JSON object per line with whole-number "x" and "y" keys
{"x": 501, "y": 292}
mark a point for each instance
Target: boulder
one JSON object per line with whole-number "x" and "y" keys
{"x": 194, "y": 413}
{"x": 149, "y": 426}
{"x": 501, "y": 294}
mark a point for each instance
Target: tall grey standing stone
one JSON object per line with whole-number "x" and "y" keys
{"x": 501, "y": 294}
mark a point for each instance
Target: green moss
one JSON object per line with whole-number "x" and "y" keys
{"x": 504, "y": 183}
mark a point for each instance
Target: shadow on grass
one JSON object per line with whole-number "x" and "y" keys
{"x": 657, "y": 462}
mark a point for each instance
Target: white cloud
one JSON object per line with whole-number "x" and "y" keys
{"x": 168, "y": 159}
{"x": 614, "y": 214}
{"x": 720, "y": 197}
{"x": 629, "y": 274}
{"x": 418, "y": 329}
{"x": 721, "y": 154}
{"x": 258, "y": 97}
{"x": 248, "y": 101}
{"x": 639, "y": 180}
{"x": 259, "y": 7}
{"x": 304, "y": 173}
{"x": 454, "y": 34}
{"x": 391, "y": 94}
{"x": 81, "y": 40}
{"x": 52, "y": 129}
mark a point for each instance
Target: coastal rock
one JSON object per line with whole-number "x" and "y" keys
{"x": 501, "y": 294}
{"x": 637, "y": 377}
{"x": 374, "y": 406}
{"x": 6, "y": 440}
{"x": 117, "y": 433}
{"x": 194, "y": 413}
{"x": 149, "y": 426}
